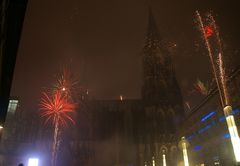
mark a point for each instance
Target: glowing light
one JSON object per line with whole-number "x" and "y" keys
{"x": 33, "y": 162}
{"x": 183, "y": 144}
{"x": 208, "y": 31}
{"x": 197, "y": 147}
{"x": 233, "y": 132}
{"x": 1, "y": 127}
{"x": 235, "y": 111}
{"x": 121, "y": 97}
{"x": 216, "y": 163}
{"x": 164, "y": 160}
{"x": 222, "y": 118}
{"x": 204, "y": 129}
{"x": 12, "y": 106}
{"x": 226, "y": 136}
{"x": 153, "y": 161}
{"x": 185, "y": 156}
{"x": 206, "y": 117}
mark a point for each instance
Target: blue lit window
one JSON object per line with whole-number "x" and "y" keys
{"x": 204, "y": 129}
{"x": 221, "y": 118}
{"x": 197, "y": 147}
{"x": 226, "y": 136}
{"x": 235, "y": 111}
{"x": 206, "y": 117}
{"x": 190, "y": 136}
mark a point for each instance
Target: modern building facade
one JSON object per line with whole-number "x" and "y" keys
{"x": 206, "y": 128}
{"x": 11, "y": 20}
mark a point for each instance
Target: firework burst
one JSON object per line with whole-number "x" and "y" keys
{"x": 201, "y": 88}
{"x": 206, "y": 34}
{"x": 67, "y": 84}
{"x": 220, "y": 78}
{"x": 57, "y": 110}
{"x": 208, "y": 31}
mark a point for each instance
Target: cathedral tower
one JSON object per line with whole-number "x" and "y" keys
{"x": 161, "y": 97}
{"x": 159, "y": 80}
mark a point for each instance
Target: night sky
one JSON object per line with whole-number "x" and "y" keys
{"x": 102, "y": 41}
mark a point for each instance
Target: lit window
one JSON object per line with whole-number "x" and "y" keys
{"x": 12, "y": 106}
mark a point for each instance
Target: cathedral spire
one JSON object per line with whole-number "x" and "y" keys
{"x": 152, "y": 32}
{"x": 154, "y": 61}
{"x": 159, "y": 80}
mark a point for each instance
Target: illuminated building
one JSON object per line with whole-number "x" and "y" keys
{"x": 206, "y": 128}
{"x": 12, "y": 107}
{"x": 18, "y": 135}
{"x": 9, "y": 130}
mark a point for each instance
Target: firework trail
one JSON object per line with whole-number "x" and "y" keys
{"x": 56, "y": 109}
{"x": 188, "y": 105}
{"x": 223, "y": 79}
{"x": 214, "y": 25}
{"x": 201, "y": 88}
{"x": 56, "y": 141}
{"x": 233, "y": 131}
{"x": 220, "y": 58}
{"x": 205, "y": 37}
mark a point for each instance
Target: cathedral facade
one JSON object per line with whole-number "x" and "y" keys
{"x": 133, "y": 132}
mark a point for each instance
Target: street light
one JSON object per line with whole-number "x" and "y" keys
{"x": 183, "y": 145}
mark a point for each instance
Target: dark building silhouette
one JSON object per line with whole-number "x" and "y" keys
{"x": 132, "y": 132}
{"x": 11, "y": 19}
{"x": 119, "y": 132}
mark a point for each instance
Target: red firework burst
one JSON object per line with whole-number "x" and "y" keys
{"x": 68, "y": 85}
{"x": 208, "y": 31}
{"x": 65, "y": 82}
{"x": 56, "y": 109}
